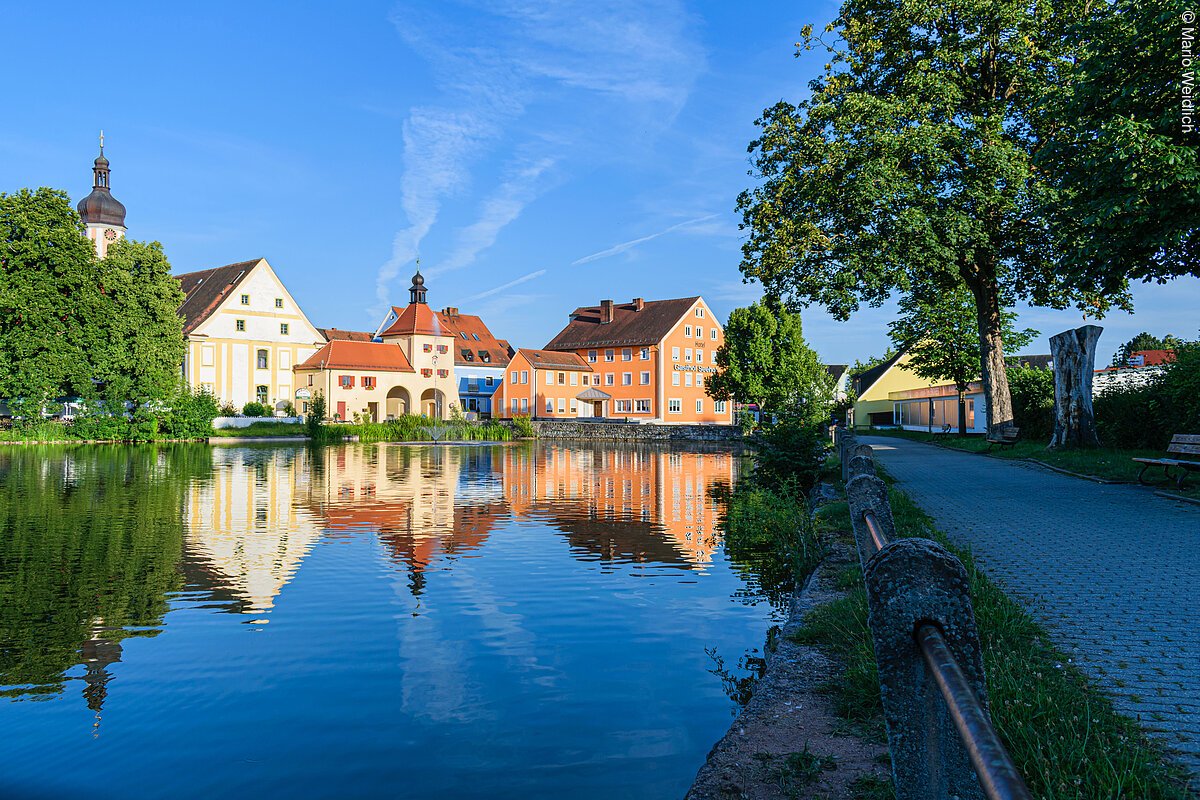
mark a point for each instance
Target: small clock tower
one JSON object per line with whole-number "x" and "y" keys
{"x": 103, "y": 215}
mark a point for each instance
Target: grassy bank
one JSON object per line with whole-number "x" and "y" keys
{"x": 1063, "y": 734}
{"x": 264, "y": 429}
{"x": 418, "y": 429}
{"x": 1107, "y": 463}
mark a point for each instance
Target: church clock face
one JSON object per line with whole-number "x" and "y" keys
{"x": 110, "y": 234}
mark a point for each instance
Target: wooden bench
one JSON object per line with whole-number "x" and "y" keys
{"x": 1182, "y": 444}
{"x": 1006, "y": 438}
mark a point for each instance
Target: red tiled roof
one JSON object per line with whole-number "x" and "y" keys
{"x": 342, "y": 354}
{"x": 204, "y": 290}
{"x": 416, "y": 318}
{"x": 350, "y": 336}
{"x": 628, "y": 327}
{"x": 553, "y": 359}
{"x": 472, "y": 336}
{"x": 1153, "y": 358}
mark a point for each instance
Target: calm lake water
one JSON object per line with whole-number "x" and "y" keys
{"x": 374, "y": 620}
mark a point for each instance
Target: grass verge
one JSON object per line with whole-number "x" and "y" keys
{"x": 263, "y": 430}
{"x": 1064, "y": 735}
{"x": 1108, "y": 463}
{"x": 411, "y": 428}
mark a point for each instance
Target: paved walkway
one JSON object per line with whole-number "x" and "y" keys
{"x": 1112, "y": 571}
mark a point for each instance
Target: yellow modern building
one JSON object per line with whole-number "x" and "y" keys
{"x": 245, "y": 335}
{"x": 893, "y": 396}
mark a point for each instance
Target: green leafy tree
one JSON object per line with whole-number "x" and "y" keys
{"x": 766, "y": 361}
{"x": 143, "y": 332}
{"x": 1125, "y": 167}
{"x": 50, "y": 301}
{"x": 1143, "y": 341}
{"x": 941, "y": 338}
{"x": 909, "y": 169}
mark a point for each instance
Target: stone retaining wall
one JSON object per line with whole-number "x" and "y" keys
{"x": 626, "y": 432}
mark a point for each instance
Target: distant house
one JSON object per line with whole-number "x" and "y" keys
{"x": 891, "y": 395}
{"x": 841, "y": 380}
{"x": 1142, "y": 367}
{"x": 550, "y": 384}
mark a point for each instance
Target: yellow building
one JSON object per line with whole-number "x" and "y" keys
{"x": 245, "y": 334}
{"x": 409, "y": 372}
{"x": 891, "y": 395}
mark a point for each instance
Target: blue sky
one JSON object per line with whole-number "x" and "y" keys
{"x": 538, "y": 156}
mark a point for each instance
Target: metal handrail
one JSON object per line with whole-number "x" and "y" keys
{"x": 998, "y": 775}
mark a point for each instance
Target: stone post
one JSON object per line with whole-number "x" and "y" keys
{"x": 911, "y": 582}
{"x": 865, "y": 492}
{"x": 1074, "y": 355}
{"x": 847, "y": 445}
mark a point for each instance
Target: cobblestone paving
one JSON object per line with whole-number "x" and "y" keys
{"x": 1112, "y": 571}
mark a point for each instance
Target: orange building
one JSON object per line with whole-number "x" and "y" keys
{"x": 649, "y": 359}
{"x": 547, "y": 385}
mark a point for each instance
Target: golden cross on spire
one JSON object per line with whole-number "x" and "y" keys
{"x": 102, "y": 142}
{"x": 418, "y": 264}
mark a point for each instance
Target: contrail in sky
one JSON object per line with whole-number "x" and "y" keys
{"x": 623, "y": 246}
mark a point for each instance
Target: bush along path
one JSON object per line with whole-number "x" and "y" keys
{"x": 1110, "y": 650}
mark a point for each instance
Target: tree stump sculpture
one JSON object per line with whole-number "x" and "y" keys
{"x": 1074, "y": 354}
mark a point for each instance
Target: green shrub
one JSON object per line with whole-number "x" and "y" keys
{"x": 770, "y": 531}
{"x": 1033, "y": 401}
{"x": 789, "y": 453}
{"x": 314, "y": 423}
{"x": 1181, "y": 390}
{"x": 253, "y": 409}
{"x": 1132, "y": 417}
{"x": 523, "y": 427}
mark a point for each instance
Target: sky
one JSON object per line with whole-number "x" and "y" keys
{"x": 536, "y": 156}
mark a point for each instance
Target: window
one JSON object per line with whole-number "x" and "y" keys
{"x": 687, "y": 330}
{"x": 207, "y": 388}
{"x": 239, "y": 325}
{"x": 262, "y": 359}
{"x": 642, "y": 406}
{"x": 645, "y": 378}
{"x": 719, "y": 406}
{"x": 368, "y": 382}
{"x": 687, "y": 354}
{"x": 245, "y": 299}
{"x": 549, "y": 378}
{"x": 609, "y": 355}
{"x": 592, "y": 356}
{"x": 645, "y": 354}
{"x": 283, "y": 329}
{"x": 512, "y": 377}
{"x": 260, "y": 393}
{"x": 624, "y": 406}
{"x": 562, "y": 405}
{"x": 627, "y": 379}
{"x": 675, "y": 406}
{"x": 687, "y": 379}
{"x": 346, "y": 381}
{"x": 310, "y": 380}
{"x": 699, "y": 380}
{"x": 627, "y": 354}
{"x": 699, "y": 312}
{"x": 488, "y": 381}
{"x": 574, "y": 406}
{"x": 574, "y": 378}
{"x": 514, "y": 405}
{"x": 699, "y": 406}
{"x": 713, "y": 334}
{"x": 699, "y": 332}
{"x": 441, "y": 348}
{"x": 207, "y": 355}
{"x": 462, "y": 335}
{"x": 427, "y": 372}
{"x": 524, "y": 405}
{"x": 524, "y": 376}
{"x": 562, "y": 379}
{"x": 485, "y": 356}
{"x": 427, "y": 348}
{"x": 549, "y": 406}
{"x": 608, "y": 379}
{"x": 443, "y": 373}
{"x": 674, "y": 353}
{"x": 304, "y": 408}
{"x": 674, "y": 378}
{"x": 279, "y": 302}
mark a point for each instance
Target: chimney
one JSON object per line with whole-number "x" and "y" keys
{"x": 606, "y": 311}
{"x": 638, "y": 304}
{"x": 450, "y": 312}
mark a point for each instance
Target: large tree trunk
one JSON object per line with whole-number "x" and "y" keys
{"x": 1074, "y": 354}
{"x": 991, "y": 352}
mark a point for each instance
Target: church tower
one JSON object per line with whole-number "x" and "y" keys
{"x": 103, "y": 215}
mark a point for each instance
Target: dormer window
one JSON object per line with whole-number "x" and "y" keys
{"x": 476, "y": 335}
{"x": 485, "y": 356}
{"x": 463, "y": 334}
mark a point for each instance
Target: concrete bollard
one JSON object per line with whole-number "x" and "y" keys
{"x": 910, "y": 582}
{"x": 865, "y": 492}
{"x": 848, "y": 444}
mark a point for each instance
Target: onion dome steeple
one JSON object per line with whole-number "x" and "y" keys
{"x": 416, "y": 292}
{"x": 100, "y": 207}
